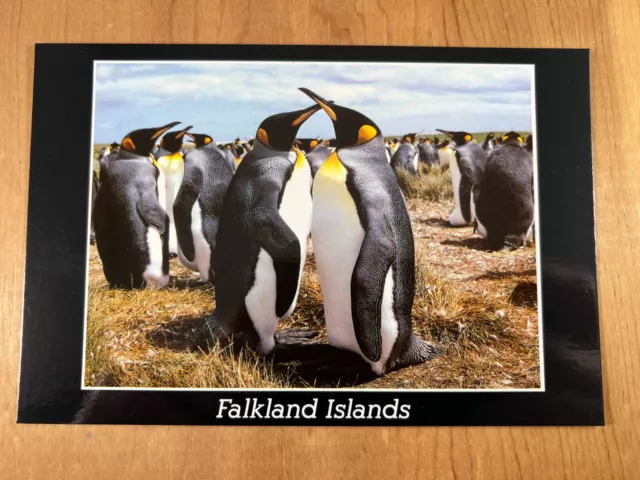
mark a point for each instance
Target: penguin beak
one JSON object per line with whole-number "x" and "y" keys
{"x": 181, "y": 133}
{"x": 302, "y": 115}
{"x": 448, "y": 134}
{"x": 320, "y": 101}
{"x": 190, "y": 136}
{"x": 160, "y": 131}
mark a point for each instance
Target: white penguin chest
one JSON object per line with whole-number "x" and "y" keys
{"x": 296, "y": 204}
{"x": 336, "y": 234}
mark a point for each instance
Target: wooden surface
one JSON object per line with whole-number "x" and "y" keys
{"x": 609, "y": 28}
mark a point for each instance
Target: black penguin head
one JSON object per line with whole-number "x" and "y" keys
{"x": 395, "y": 141}
{"x": 238, "y": 150}
{"x": 436, "y": 141}
{"x": 201, "y": 139}
{"x": 458, "y": 138}
{"x": 351, "y": 127}
{"x": 279, "y": 131}
{"x": 331, "y": 142}
{"x": 512, "y": 138}
{"x": 409, "y": 138}
{"x": 172, "y": 141}
{"x": 444, "y": 144}
{"x": 307, "y": 144}
{"x": 251, "y": 142}
{"x": 142, "y": 141}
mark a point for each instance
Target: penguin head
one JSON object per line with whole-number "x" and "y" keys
{"x": 352, "y": 128}
{"x": 331, "y": 142}
{"x": 409, "y": 138}
{"x": 490, "y": 135}
{"x": 444, "y": 144}
{"x": 307, "y": 144}
{"x": 251, "y": 142}
{"x": 395, "y": 141}
{"x": 142, "y": 141}
{"x": 512, "y": 138}
{"x": 458, "y": 139}
{"x": 238, "y": 150}
{"x": 172, "y": 141}
{"x": 278, "y": 132}
{"x": 436, "y": 141}
{"x": 200, "y": 138}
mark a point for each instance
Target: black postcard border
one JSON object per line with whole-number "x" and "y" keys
{"x": 53, "y": 323}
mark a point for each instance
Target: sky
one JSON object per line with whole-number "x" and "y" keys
{"x": 229, "y": 99}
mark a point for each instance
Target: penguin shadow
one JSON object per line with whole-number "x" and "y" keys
{"x": 308, "y": 362}
{"x": 473, "y": 243}
{"x": 503, "y": 275}
{"x": 181, "y": 283}
{"x": 435, "y": 221}
{"x": 180, "y": 334}
{"x": 525, "y": 294}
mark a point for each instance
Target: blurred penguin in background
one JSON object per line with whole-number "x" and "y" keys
{"x": 170, "y": 162}
{"x": 528, "y": 143}
{"x": 406, "y": 156}
{"x": 427, "y": 153}
{"x": 198, "y": 204}
{"x": 503, "y": 195}
{"x": 395, "y": 144}
{"x": 317, "y": 156}
{"x": 445, "y": 154}
{"x": 466, "y": 168}
{"x": 488, "y": 144}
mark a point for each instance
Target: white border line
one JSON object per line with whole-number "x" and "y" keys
{"x": 86, "y": 282}
{"x": 335, "y": 389}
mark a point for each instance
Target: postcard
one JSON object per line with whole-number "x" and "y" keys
{"x": 253, "y": 235}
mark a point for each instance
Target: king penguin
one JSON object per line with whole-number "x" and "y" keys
{"x": 317, "y": 156}
{"x": 445, "y": 154}
{"x": 262, "y": 236}
{"x": 363, "y": 247}
{"x": 466, "y": 167}
{"x": 170, "y": 162}
{"x": 427, "y": 153}
{"x": 406, "y": 156}
{"x": 487, "y": 144}
{"x": 131, "y": 225}
{"x": 504, "y": 195}
{"x": 197, "y": 207}
{"x": 395, "y": 144}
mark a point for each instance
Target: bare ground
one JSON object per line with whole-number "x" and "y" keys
{"x": 480, "y": 306}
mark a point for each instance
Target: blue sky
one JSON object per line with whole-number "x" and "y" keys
{"x": 226, "y": 100}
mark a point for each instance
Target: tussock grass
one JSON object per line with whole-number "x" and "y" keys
{"x": 481, "y": 307}
{"x": 430, "y": 184}
{"x": 147, "y": 338}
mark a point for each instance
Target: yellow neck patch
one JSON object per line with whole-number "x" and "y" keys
{"x": 332, "y": 168}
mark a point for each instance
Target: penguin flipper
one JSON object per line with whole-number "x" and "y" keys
{"x": 377, "y": 254}
{"x": 465, "y": 188}
{"x": 152, "y": 212}
{"x": 182, "y": 206}
{"x": 276, "y": 237}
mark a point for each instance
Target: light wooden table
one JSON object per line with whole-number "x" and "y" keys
{"x": 610, "y": 28}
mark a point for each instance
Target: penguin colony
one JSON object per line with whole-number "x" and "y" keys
{"x": 241, "y": 215}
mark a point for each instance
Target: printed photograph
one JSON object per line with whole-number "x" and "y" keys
{"x": 301, "y": 225}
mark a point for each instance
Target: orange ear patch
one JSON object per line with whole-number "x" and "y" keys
{"x": 407, "y": 139}
{"x": 366, "y": 133}
{"x": 467, "y": 138}
{"x": 263, "y": 137}
{"x": 313, "y": 143}
{"x": 207, "y": 140}
{"x": 128, "y": 144}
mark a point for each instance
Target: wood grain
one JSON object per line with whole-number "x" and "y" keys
{"x": 610, "y": 28}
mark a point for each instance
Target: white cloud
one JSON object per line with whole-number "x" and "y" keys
{"x": 382, "y": 91}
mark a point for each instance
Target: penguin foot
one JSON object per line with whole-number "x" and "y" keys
{"x": 419, "y": 351}
{"x": 214, "y": 333}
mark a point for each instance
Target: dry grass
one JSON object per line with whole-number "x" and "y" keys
{"x": 430, "y": 184}
{"x": 480, "y": 306}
